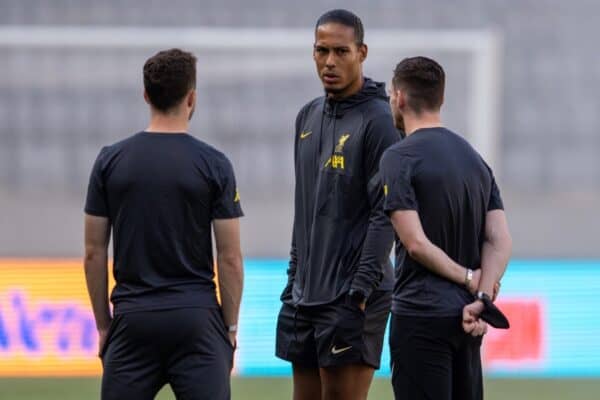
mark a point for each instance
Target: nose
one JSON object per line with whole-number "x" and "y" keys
{"x": 330, "y": 61}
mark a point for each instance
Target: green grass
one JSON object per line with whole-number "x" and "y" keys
{"x": 280, "y": 388}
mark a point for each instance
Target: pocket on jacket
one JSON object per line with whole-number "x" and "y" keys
{"x": 337, "y": 202}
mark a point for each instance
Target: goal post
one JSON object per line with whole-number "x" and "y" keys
{"x": 481, "y": 46}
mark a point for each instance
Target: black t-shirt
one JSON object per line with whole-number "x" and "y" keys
{"x": 437, "y": 173}
{"x": 160, "y": 192}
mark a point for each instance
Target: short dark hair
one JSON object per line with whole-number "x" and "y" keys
{"x": 423, "y": 80}
{"x": 346, "y": 18}
{"x": 168, "y": 77}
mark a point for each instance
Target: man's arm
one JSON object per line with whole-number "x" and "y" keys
{"x": 407, "y": 225}
{"x": 376, "y": 246}
{"x": 291, "y": 271}
{"x": 379, "y": 239}
{"x": 97, "y": 235}
{"x": 230, "y": 269}
{"x": 293, "y": 263}
{"x": 497, "y": 247}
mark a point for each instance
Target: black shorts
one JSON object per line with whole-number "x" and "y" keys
{"x": 434, "y": 359}
{"x": 318, "y": 336}
{"x": 187, "y": 348}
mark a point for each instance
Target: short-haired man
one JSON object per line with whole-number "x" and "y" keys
{"x": 337, "y": 300}
{"x": 452, "y": 242}
{"x": 160, "y": 191}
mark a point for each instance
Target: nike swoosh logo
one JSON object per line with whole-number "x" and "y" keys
{"x": 304, "y": 135}
{"x": 338, "y": 351}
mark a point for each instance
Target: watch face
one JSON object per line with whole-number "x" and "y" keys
{"x": 483, "y": 296}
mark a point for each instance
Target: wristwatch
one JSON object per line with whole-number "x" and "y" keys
{"x": 356, "y": 297}
{"x": 484, "y": 297}
{"x": 232, "y": 328}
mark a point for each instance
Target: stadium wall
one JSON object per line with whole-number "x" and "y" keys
{"x": 47, "y": 327}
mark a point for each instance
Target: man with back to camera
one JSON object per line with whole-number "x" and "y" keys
{"x": 160, "y": 191}
{"x": 452, "y": 241}
{"x": 337, "y": 300}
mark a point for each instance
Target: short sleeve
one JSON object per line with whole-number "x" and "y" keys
{"x": 96, "y": 202}
{"x": 227, "y": 202}
{"x": 495, "y": 202}
{"x": 397, "y": 173}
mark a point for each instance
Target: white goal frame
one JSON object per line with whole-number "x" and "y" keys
{"x": 482, "y": 46}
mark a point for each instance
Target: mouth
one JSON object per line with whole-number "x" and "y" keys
{"x": 330, "y": 78}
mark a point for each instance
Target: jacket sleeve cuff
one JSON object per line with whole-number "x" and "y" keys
{"x": 367, "y": 290}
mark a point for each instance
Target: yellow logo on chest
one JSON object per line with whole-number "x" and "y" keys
{"x": 337, "y": 160}
{"x": 341, "y": 142}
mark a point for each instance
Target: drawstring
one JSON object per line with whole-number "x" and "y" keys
{"x": 333, "y": 136}
{"x": 334, "y": 113}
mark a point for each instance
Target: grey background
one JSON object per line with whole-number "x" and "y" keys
{"x": 59, "y": 106}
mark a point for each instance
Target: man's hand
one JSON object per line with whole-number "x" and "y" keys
{"x": 233, "y": 339}
{"x": 363, "y": 306}
{"x": 471, "y": 322}
{"x": 102, "y": 337}
{"x": 479, "y": 328}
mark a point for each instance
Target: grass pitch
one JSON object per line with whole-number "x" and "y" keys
{"x": 281, "y": 389}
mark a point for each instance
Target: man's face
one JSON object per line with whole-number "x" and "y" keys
{"x": 338, "y": 58}
{"x": 395, "y": 107}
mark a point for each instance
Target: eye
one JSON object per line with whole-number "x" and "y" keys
{"x": 321, "y": 50}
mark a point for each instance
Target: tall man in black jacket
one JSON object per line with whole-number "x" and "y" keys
{"x": 337, "y": 299}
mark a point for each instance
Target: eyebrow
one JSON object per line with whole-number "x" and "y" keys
{"x": 320, "y": 46}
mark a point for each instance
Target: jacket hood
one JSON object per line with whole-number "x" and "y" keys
{"x": 370, "y": 90}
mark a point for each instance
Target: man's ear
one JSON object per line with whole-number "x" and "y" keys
{"x": 191, "y": 98}
{"x": 146, "y": 98}
{"x": 402, "y": 98}
{"x": 363, "y": 50}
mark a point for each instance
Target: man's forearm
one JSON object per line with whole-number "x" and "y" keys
{"x": 231, "y": 281}
{"x": 96, "y": 276}
{"x": 375, "y": 251}
{"x": 408, "y": 228}
{"x": 291, "y": 271}
{"x": 494, "y": 259}
{"x": 496, "y": 250}
{"x": 437, "y": 261}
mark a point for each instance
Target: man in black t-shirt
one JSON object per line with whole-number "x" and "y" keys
{"x": 160, "y": 191}
{"x": 452, "y": 242}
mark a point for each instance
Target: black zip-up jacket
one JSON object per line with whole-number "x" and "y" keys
{"x": 341, "y": 237}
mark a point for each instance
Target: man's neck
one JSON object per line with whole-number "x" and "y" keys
{"x": 424, "y": 120}
{"x": 167, "y": 123}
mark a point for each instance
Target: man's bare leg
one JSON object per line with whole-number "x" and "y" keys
{"x": 350, "y": 382}
{"x": 307, "y": 383}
